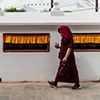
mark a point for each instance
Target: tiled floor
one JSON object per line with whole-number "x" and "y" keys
{"x": 42, "y": 91}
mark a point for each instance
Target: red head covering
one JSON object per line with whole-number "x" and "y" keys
{"x": 65, "y": 30}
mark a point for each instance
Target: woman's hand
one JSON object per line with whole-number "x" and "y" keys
{"x": 64, "y": 59}
{"x": 57, "y": 46}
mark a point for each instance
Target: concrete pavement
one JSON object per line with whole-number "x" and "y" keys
{"x": 43, "y": 91}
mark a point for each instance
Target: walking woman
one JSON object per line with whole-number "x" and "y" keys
{"x": 67, "y": 71}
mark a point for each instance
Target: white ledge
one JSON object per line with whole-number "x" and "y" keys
{"x": 74, "y": 18}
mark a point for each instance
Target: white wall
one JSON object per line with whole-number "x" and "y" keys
{"x": 87, "y": 62}
{"x": 43, "y": 66}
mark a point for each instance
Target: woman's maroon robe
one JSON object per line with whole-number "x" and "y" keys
{"x": 70, "y": 70}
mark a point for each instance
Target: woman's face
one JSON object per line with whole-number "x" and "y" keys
{"x": 61, "y": 34}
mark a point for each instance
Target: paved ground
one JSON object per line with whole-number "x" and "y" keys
{"x": 42, "y": 91}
